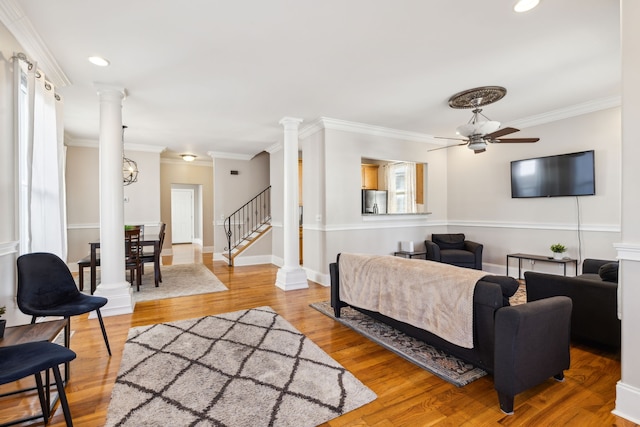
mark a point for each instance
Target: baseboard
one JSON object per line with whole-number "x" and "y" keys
{"x": 627, "y": 402}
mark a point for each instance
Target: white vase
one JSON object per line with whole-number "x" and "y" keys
{"x": 558, "y": 255}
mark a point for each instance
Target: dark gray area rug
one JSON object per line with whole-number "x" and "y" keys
{"x": 246, "y": 368}
{"x": 439, "y": 363}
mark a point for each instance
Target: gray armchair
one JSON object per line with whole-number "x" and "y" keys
{"x": 454, "y": 249}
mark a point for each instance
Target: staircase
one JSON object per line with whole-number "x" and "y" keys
{"x": 247, "y": 224}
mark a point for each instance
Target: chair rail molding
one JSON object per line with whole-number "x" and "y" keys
{"x": 8, "y": 248}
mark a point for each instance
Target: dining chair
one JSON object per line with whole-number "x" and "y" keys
{"x": 151, "y": 256}
{"x": 133, "y": 255}
{"x": 22, "y": 360}
{"x": 46, "y": 288}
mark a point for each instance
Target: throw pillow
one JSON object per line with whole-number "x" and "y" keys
{"x": 609, "y": 272}
{"x": 508, "y": 284}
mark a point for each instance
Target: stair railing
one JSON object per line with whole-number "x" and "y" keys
{"x": 241, "y": 224}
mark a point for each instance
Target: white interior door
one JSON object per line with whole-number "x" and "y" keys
{"x": 182, "y": 215}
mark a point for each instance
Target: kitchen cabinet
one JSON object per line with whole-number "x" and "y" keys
{"x": 369, "y": 177}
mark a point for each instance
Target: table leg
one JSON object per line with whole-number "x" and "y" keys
{"x": 93, "y": 268}
{"x": 156, "y": 263}
{"x": 519, "y": 268}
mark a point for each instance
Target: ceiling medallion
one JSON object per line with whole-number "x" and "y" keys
{"x": 477, "y": 97}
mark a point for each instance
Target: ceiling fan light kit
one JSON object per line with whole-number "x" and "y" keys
{"x": 478, "y": 133}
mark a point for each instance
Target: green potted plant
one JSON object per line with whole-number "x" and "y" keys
{"x": 558, "y": 250}
{"x": 3, "y": 322}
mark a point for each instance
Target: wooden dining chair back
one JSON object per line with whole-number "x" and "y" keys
{"x": 151, "y": 256}
{"x": 133, "y": 255}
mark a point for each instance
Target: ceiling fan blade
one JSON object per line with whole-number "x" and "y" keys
{"x": 446, "y": 146}
{"x": 501, "y": 132}
{"x": 510, "y": 140}
{"x": 453, "y": 139}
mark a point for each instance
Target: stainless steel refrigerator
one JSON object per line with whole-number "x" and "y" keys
{"x": 374, "y": 201}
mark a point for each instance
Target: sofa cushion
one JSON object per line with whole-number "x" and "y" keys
{"x": 609, "y": 272}
{"x": 509, "y": 286}
{"x": 448, "y": 241}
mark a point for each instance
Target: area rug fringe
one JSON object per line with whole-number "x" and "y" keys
{"x": 439, "y": 363}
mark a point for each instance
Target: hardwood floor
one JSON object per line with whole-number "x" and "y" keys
{"x": 407, "y": 395}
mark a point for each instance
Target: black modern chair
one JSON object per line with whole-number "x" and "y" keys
{"x": 454, "y": 249}
{"x": 46, "y": 288}
{"x": 22, "y": 360}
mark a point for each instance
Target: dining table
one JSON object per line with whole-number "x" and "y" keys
{"x": 147, "y": 239}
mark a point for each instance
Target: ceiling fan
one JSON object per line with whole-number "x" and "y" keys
{"x": 480, "y": 130}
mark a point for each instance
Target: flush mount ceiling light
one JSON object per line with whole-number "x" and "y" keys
{"x": 188, "y": 157}
{"x": 99, "y": 61}
{"x": 525, "y": 5}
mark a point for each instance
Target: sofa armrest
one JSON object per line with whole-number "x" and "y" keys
{"x": 532, "y": 345}
{"x": 592, "y": 266}
{"x": 433, "y": 251}
{"x": 474, "y": 247}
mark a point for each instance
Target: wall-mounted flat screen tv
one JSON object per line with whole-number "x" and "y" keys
{"x": 570, "y": 174}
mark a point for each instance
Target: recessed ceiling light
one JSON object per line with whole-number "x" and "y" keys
{"x": 99, "y": 61}
{"x": 525, "y": 5}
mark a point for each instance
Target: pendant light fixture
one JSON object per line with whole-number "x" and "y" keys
{"x": 129, "y": 167}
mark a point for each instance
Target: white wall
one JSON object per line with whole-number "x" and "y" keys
{"x": 83, "y": 198}
{"x": 480, "y": 203}
{"x": 332, "y": 183}
{"x": 233, "y": 191}
{"x": 466, "y": 192}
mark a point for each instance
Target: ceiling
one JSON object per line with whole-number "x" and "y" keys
{"x": 217, "y": 76}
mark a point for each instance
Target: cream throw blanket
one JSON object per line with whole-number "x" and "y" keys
{"x": 428, "y": 295}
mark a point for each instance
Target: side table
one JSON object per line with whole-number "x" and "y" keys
{"x": 407, "y": 254}
{"x": 520, "y": 257}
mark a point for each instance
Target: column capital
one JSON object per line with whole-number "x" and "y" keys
{"x": 105, "y": 89}
{"x": 290, "y": 122}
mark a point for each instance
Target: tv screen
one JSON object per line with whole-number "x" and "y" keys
{"x": 570, "y": 174}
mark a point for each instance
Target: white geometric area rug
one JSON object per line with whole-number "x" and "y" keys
{"x": 246, "y": 368}
{"x": 177, "y": 281}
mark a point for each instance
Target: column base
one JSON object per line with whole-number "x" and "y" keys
{"x": 120, "y": 296}
{"x": 290, "y": 279}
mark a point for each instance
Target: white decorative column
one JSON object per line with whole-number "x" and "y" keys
{"x": 628, "y": 388}
{"x": 113, "y": 284}
{"x": 291, "y": 276}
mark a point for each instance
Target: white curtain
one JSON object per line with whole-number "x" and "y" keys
{"x": 42, "y": 201}
{"x": 401, "y": 187}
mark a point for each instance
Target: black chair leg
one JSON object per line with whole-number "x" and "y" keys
{"x": 43, "y": 402}
{"x": 62, "y": 395}
{"x": 104, "y": 331}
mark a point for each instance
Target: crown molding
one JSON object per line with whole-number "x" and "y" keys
{"x": 184, "y": 163}
{"x": 365, "y": 129}
{"x": 274, "y": 148}
{"x": 231, "y": 156}
{"x": 90, "y": 143}
{"x": 567, "y": 112}
{"x": 13, "y": 17}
